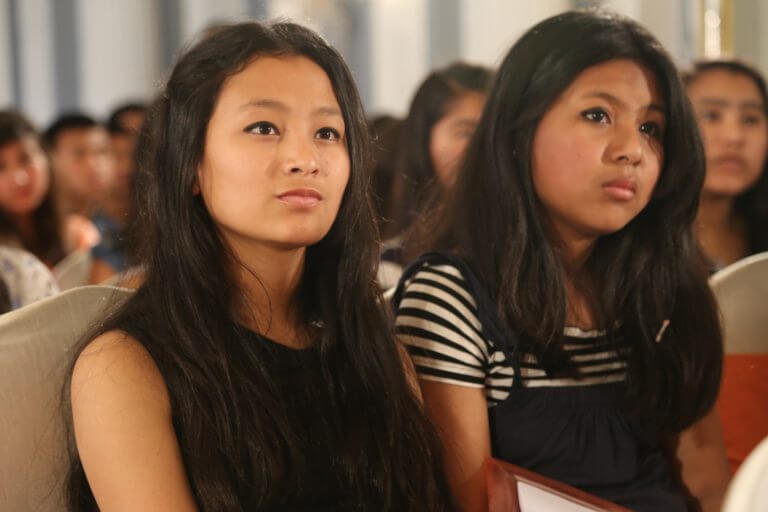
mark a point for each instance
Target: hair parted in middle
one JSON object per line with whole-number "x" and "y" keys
{"x": 649, "y": 271}
{"x": 236, "y": 440}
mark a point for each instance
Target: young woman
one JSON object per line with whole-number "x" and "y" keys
{"x": 731, "y": 103}
{"x": 441, "y": 119}
{"x": 566, "y": 325}
{"x": 253, "y": 369}
{"x": 28, "y": 216}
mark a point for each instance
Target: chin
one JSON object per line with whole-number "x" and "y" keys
{"x": 726, "y": 189}
{"x": 298, "y": 240}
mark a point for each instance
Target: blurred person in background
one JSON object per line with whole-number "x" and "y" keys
{"x": 441, "y": 120}
{"x": 28, "y": 214}
{"x": 113, "y": 216}
{"x": 732, "y": 222}
{"x": 23, "y": 279}
{"x": 127, "y": 117}
{"x": 83, "y": 166}
{"x": 385, "y": 135}
{"x": 731, "y": 102}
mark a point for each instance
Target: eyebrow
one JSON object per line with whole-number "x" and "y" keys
{"x": 465, "y": 122}
{"x": 325, "y": 111}
{"x": 722, "y": 102}
{"x": 610, "y": 98}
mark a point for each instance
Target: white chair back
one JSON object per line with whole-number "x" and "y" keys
{"x": 74, "y": 270}
{"x": 36, "y": 348}
{"x": 741, "y": 290}
{"x": 748, "y": 491}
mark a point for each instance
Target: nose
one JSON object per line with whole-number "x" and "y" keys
{"x": 732, "y": 131}
{"x": 21, "y": 177}
{"x": 626, "y": 148}
{"x": 298, "y": 155}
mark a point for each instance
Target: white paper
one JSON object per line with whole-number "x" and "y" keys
{"x": 536, "y": 499}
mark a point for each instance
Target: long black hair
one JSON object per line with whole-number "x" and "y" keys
{"x": 648, "y": 272}
{"x": 752, "y": 204}
{"x": 236, "y": 444}
{"x": 47, "y": 245}
{"x": 415, "y": 178}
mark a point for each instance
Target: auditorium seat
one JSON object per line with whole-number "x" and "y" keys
{"x": 741, "y": 290}
{"x": 36, "y": 344}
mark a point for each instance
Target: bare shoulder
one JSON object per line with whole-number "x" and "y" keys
{"x": 123, "y": 428}
{"x": 116, "y": 362}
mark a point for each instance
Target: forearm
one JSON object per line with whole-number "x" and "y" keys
{"x": 703, "y": 464}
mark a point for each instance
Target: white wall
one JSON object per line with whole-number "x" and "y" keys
{"x": 6, "y": 66}
{"x": 118, "y": 50}
{"x": 36, "y": 60}
{"x": 665, "y": 19}
{"x": 196, "y": 15}
{"x": 120, "y": 42}
{"x": 399, "y": 52}
{"x": 490, "y": 27}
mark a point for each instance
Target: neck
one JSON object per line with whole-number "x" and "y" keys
{"x": 270, "y": 278}
{"x": 715, "y": 212}
{"x": 574, "y": 249}
{"x": 26, "y": 228}
{"x": 721, "y": 232}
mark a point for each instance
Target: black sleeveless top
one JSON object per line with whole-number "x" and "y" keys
{"x": 297, "y": 380}
{"x": 572, "y": 429}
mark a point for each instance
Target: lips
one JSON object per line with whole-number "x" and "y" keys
{"x": 303, "y": 197}
{"x": 621, "y": 188}
{"x": 730, "y": 159}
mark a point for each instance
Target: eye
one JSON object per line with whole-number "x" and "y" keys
{"x": 262, "y": 128}
{"x": 651, "y": 128}
{"x": 709, "y": 115}
{"x": 327, "y": 133}
{"x": 596, "y": 115}
{"x": 751, "y": 120}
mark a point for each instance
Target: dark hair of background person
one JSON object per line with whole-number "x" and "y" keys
{"x": 66, "y": 122}
{"x": 114, "y": 121}
{"x": 5, "y": 297}
{"x": 235, "y": 440}
{"x": 48, "y": 245}
{"x": 752, "y": 205}
{"x": 415, "y": 178}
{"x": 385, "y": 135}
{"x": 634, "y": 279}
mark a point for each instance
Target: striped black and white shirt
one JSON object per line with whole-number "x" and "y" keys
{"x": 437, "y": 319}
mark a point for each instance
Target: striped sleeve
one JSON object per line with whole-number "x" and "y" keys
{"x": 437, "y": 320}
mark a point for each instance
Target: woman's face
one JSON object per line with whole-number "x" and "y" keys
{"x": 24, "y": 176}
{"x": 275, "y": 162}
{"x": 449, "y": 136}
{"x": 598, "y": 151}
{"x": 732, "y": 121}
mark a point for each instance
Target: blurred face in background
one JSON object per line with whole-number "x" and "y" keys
{"x": 131, "y": 121}
{"x": 733, "y": 125}
{"x": 83, "y": 162}
{"x": 24, "y": 176}
{"x": 122, "y": 148}
{"x": 450, "y": 135}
